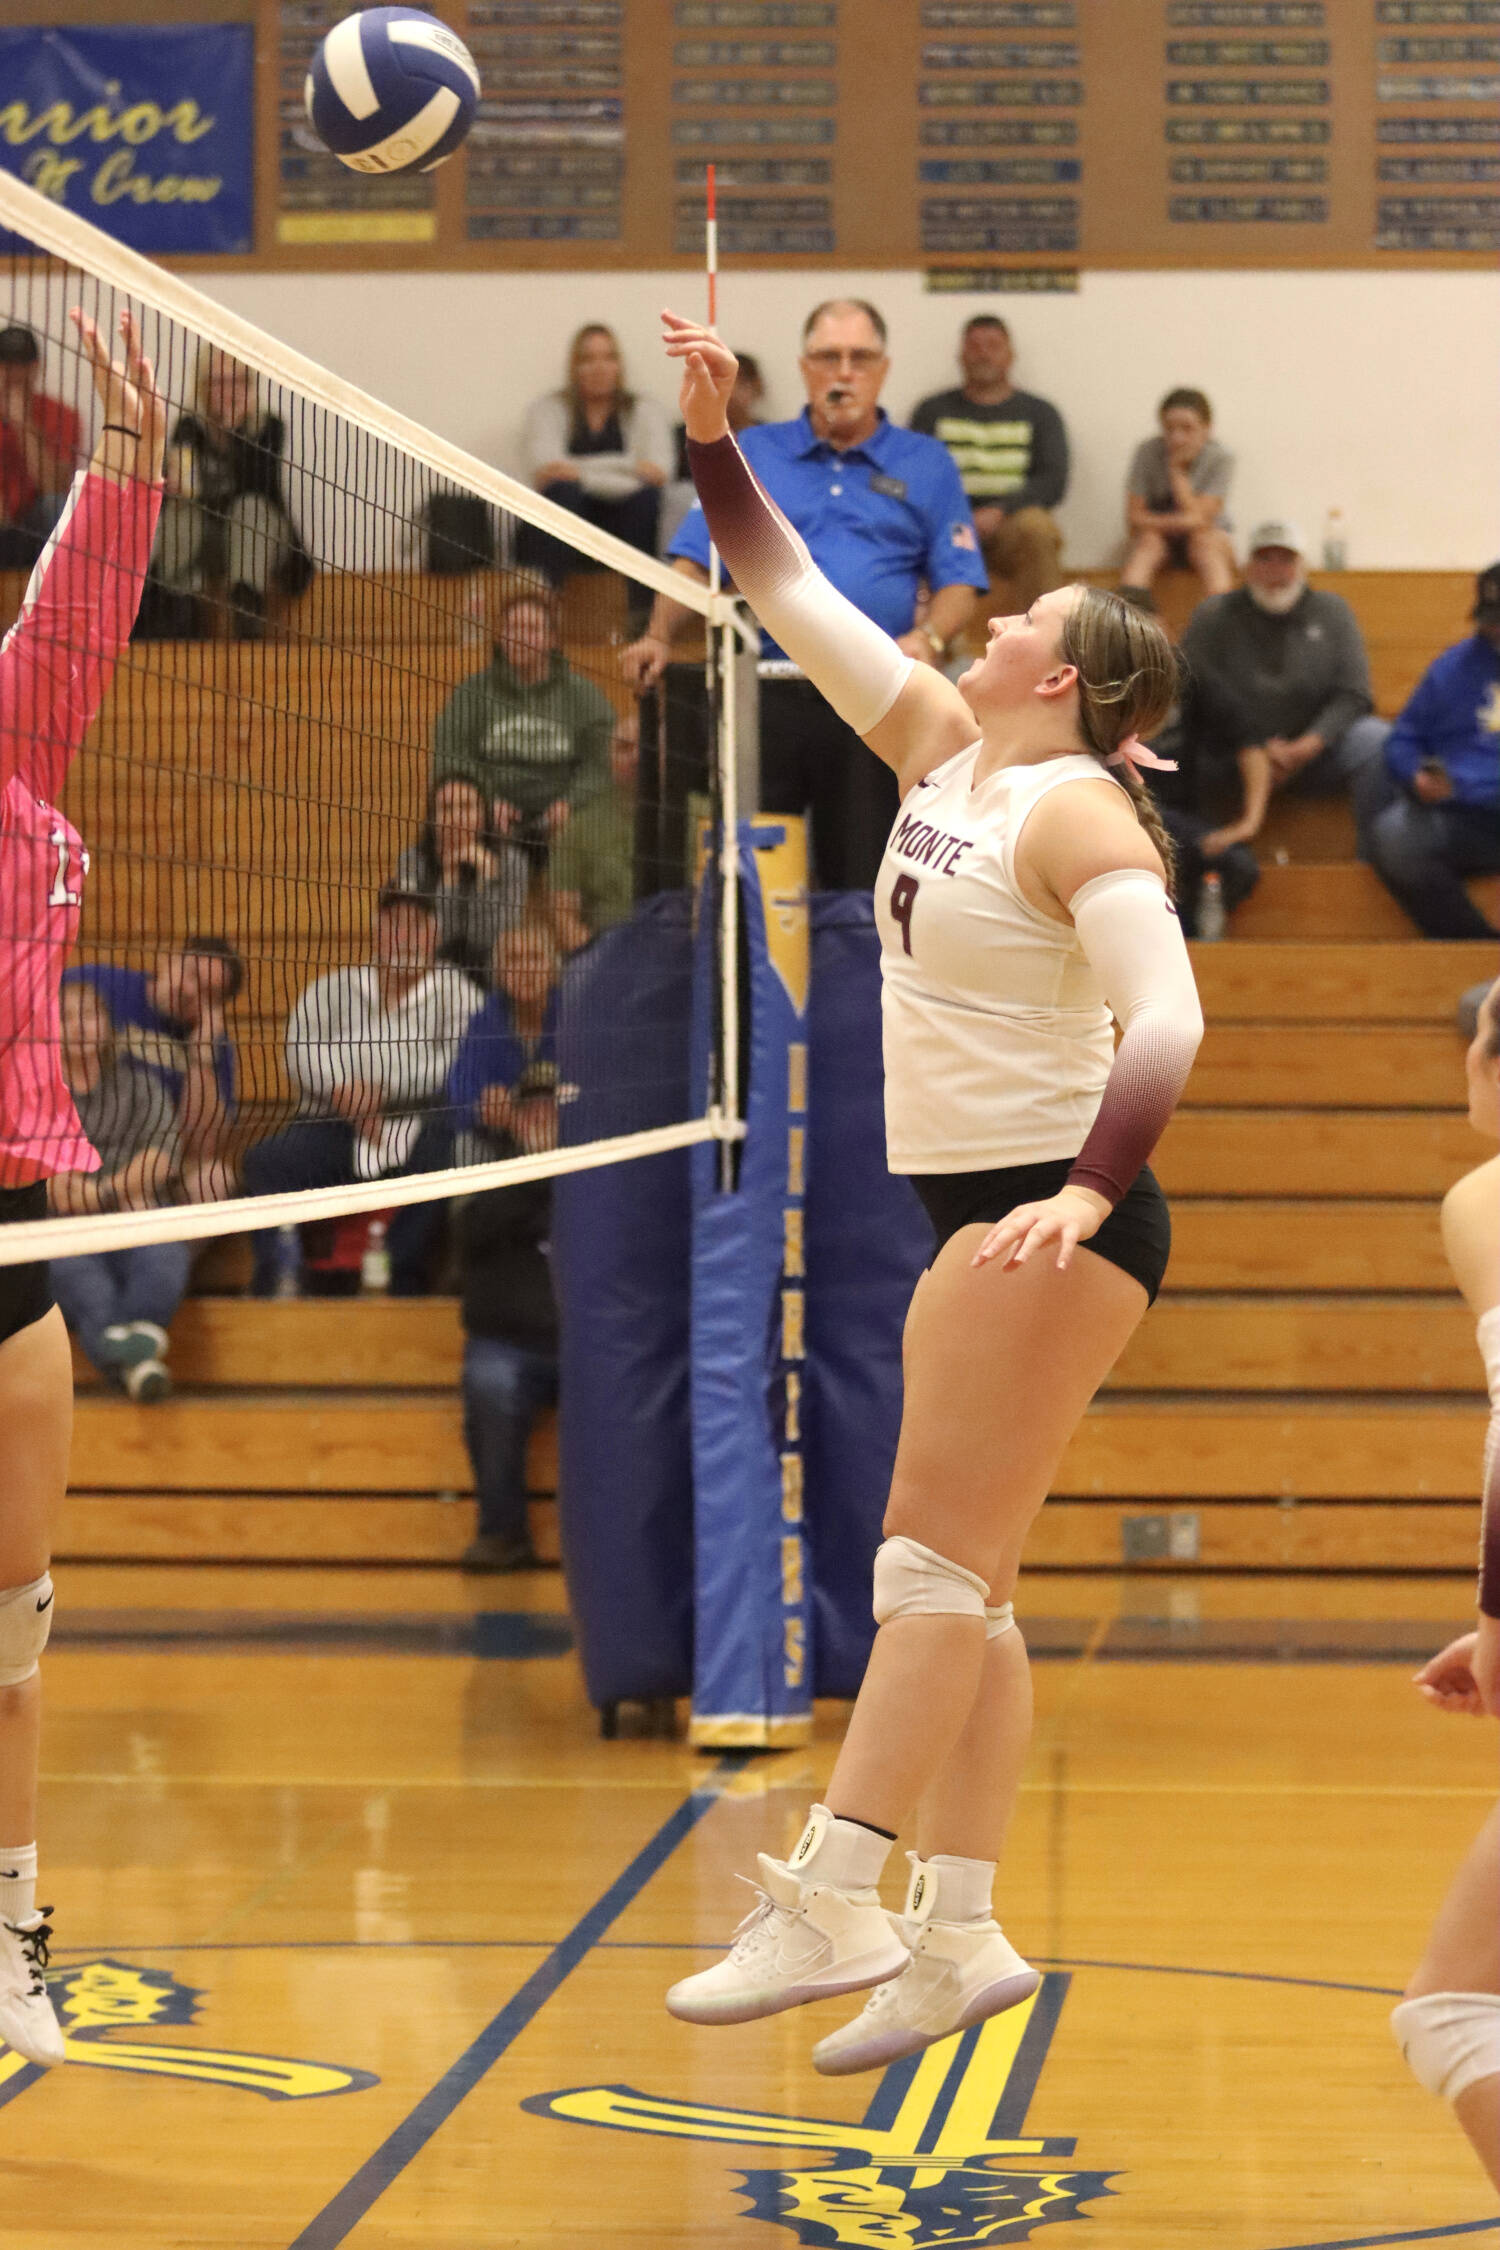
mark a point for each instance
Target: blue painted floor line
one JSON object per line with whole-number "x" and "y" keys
{"x": 338, "y": 2219}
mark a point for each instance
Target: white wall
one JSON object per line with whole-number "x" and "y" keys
{"x": 1375, "y": 393}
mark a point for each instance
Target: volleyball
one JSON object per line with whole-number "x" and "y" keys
{"x": 392, "y": 90}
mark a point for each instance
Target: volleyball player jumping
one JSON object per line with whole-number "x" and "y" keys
{"x": 54, "y": 666}
{"x": 1448, "y": 2025}
{"x": 1022, "y": 899}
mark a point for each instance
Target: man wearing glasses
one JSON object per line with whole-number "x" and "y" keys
{"x": 884, "y": 516}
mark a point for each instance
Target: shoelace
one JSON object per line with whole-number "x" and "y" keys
{"x": 33, "y": 1944}
{"x": 760, "y": 1912}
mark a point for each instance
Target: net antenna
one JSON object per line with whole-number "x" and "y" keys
{"x": 268, "y": 781}
{"x": 722, "y": 700}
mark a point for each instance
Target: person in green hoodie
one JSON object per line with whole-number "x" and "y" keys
{"x": 532, "y": 732}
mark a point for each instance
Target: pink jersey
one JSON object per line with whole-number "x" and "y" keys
{"x": 55, "y": 663}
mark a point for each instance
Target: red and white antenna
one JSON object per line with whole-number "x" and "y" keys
{"x": 711, "y": 247}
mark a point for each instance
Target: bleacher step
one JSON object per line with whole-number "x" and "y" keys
{"x": 1315, "y": 1152}
{"x": 1328, "y": 1066}
{"x": 1292, "y": 1245}
{"x": 1192, "y": 1342}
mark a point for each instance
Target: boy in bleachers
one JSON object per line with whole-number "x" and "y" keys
{"x": 119, "y": 1303}
{"x": 505, "y": 1103}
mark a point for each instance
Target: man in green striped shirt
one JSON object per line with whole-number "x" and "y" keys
{"x": 1011, "y": 450}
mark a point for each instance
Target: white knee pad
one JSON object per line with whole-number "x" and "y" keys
{"x": 998, "y": 1621}
{"x": 1450, "y": 2039}
{"x": 911, "y": 1581}
{"x": 25, "y": 1622}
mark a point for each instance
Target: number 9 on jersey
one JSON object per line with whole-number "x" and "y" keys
{"x": 903, "y": 899}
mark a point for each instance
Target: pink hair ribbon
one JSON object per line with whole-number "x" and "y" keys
{"x": 1133, "y": 754}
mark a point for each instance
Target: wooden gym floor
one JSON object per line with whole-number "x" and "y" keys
{"x": 363, "y": 1934}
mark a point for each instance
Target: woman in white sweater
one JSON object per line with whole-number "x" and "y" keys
{"x": 598, "y": 449}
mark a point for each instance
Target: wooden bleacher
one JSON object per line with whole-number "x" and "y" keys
{"x": 1307, "y": 1390}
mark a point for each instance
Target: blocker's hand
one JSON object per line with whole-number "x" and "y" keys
{"x": 129, "y": 400}
{"x": 709, "y": 374}
{"x": 1067, "y": 1218}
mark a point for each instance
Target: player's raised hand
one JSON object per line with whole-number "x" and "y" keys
{"x": 709, "y": 369}
{"x": 1066, "y": 1219}
{"x": 131, "y": 402}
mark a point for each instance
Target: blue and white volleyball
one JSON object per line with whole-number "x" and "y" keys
{"x": 392, "y": 90}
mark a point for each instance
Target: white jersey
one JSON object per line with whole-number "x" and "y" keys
{"x": 998, "y": 1040}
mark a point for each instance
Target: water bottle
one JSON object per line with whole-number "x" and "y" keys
{"x": 288, "y": 1262}
{"x": 1212, "y": 919}
{"x": 1335, "y": 541}
{"x": 375, "y": 1264}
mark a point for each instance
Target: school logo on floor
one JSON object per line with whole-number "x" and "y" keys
{"x": 939, "y": 2159}
{"x": 97, "y": 2000}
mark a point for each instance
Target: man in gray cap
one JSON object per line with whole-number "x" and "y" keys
{"x": 39, "y": 446}
{"x": 1291, "y": 662}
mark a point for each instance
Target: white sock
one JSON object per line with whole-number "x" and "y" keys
{"x": 17, "y": 1882}
{"x": 841, "y": 1853}
{"x": 964, "y": 1887}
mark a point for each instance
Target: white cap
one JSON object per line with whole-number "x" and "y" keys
{"x": 1277, "y": 532}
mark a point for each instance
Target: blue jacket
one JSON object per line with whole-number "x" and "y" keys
{"x": 1454, "y": 716}
{"x": 494, "y": 1054}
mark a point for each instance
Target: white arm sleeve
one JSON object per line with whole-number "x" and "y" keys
{"x": 1489, "y": 1532}
{"x": 1128, "y": 928}
{"x": 848, "y": 658}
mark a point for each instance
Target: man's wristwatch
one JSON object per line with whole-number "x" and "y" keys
{"x": 935, "y": 642}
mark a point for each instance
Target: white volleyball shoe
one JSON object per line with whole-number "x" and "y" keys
{"x": 958, "y": 1974}
{"x": 28, "y": 2021}
{"x": 801, "y": 1941}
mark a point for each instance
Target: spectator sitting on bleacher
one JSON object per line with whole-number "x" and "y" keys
{"x": 118, "y": 1303}
{"x": 40, "y": 439}
{"x": 369, "y": 1050}
{"x": 1433, "y": 808}
{"x": 532, "y": 732}
{"x": 591, "y": 872}
{"x": 226, "y": 532}
{"x": 1221, "y": 775}
{"x": 508, "y": 1057}
{"x": 1175, "y": 498}
{"x": 504, "y": 1094}
{"x": 172, "y": 1020}
{"x": 595, "y": 448}
{"x": 1011, "y": 450}
{"x": 477, "y": 882}
{"x": 1292, "y": 662}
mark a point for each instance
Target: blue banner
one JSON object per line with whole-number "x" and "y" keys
{"x": 146, "y": 132}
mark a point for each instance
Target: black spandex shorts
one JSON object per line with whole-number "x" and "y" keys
{"x": 25, "y": 1291}
{"x": 1136, "y": 1237}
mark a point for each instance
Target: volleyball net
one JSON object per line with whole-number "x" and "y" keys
{"x": 395, "y": 882}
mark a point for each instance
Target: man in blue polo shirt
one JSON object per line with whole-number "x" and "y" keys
{"x": 1440, "y": 820}
{"x": 884, "y": 516}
